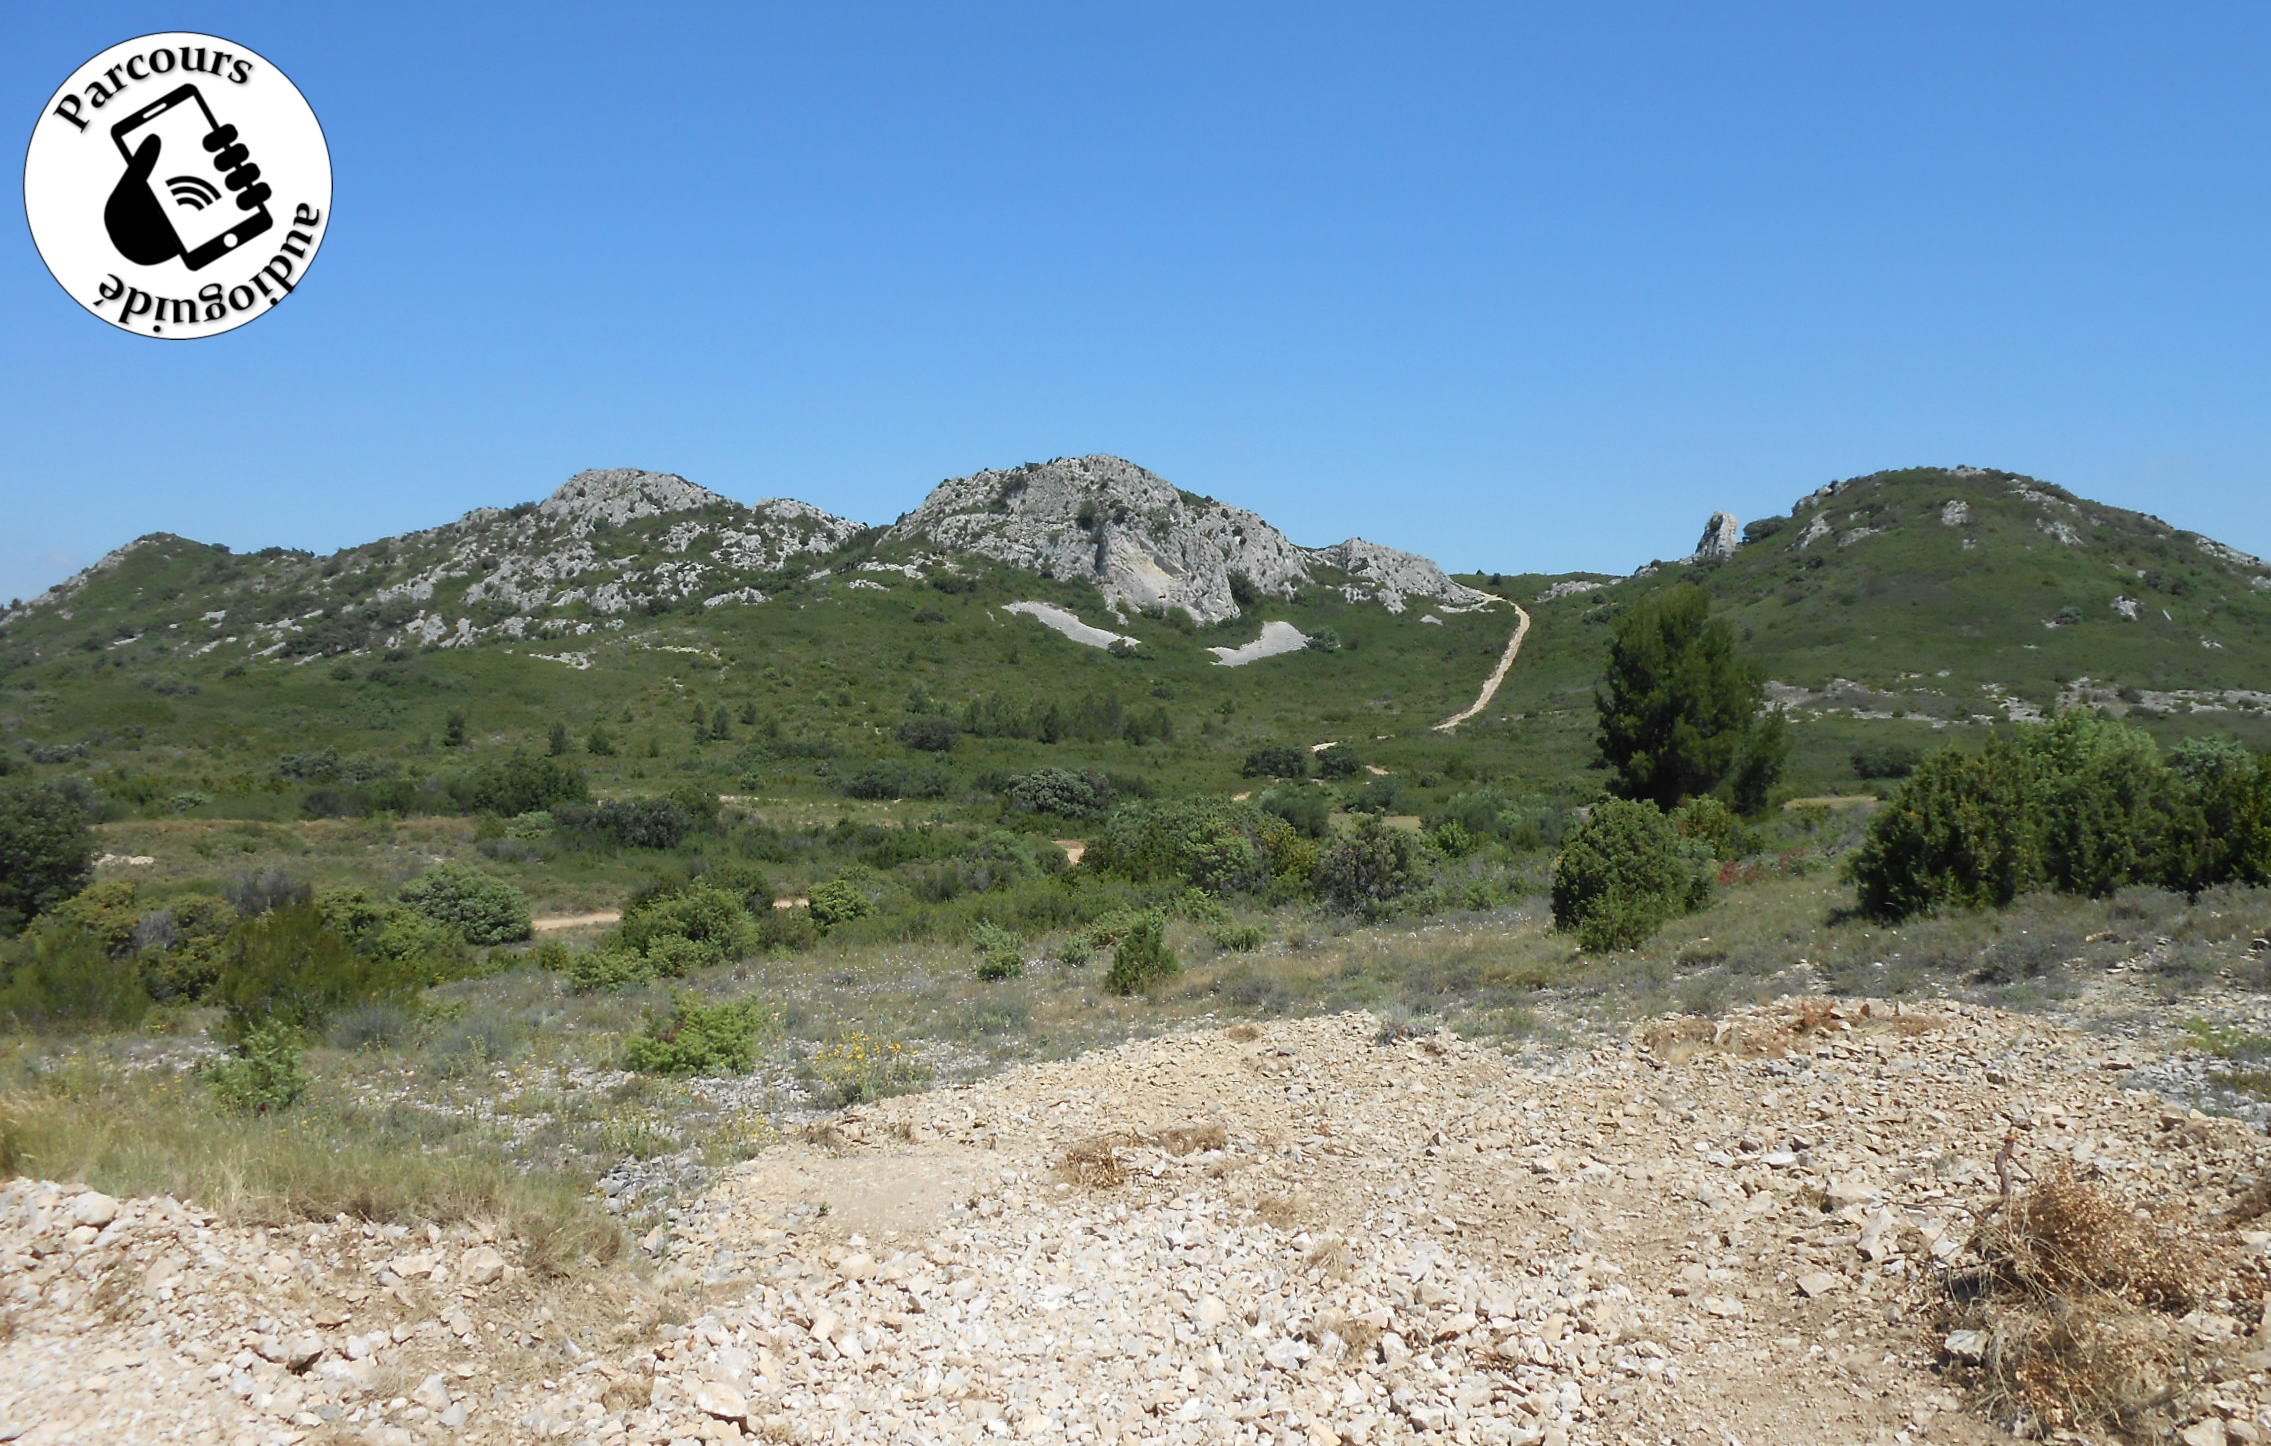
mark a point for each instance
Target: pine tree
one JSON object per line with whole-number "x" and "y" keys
{"x": 453, "y": 730}
{"x": 1680, "y": 706}
{"x": 559, "y": 738}
{"x": 599, "y": 744}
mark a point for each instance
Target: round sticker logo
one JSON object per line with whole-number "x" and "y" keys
{"x": 178, "y": 186}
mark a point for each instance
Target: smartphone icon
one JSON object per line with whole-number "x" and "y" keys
{"x": 184, "y": 182}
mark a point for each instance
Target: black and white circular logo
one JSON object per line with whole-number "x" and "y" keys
{"x": 178, "y": 186}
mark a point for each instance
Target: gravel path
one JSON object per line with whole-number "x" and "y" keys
{"x": 1316, "y": 1231}
{"x": 1497, "y": 674}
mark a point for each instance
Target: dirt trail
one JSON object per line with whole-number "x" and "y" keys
{"x": 552, "y": 923}
{"x": 1497, "y": 674}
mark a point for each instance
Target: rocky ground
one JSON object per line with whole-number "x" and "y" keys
{"x": 1732, "y": 1230}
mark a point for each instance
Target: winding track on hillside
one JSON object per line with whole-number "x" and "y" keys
{"x": 1497, "y": 674}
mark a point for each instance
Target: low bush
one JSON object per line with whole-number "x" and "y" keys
{"x": 899, "y": 778}
{"x": 1625, "y": 871}
{"x": 859, "y": 1067}
{"x": 693, "y": 927}
{"x": 1061, "y": 791}
{"x": 1239, "y": 938}
{"x": 607, "y": 970}
{"x": 700, "y": 1039}
{"x": 1367, "y": 870}
{"x": 1339, "y": 761}
{"x": 1886, "y": 760}
{"x": 481, "y": 909}
{"x": 1308, "y": 810}
{"x": 1143, "y": 956}
{"x": 839, "y": 902}
{"x": 290, "y": 968}
{"x": 632, "y": 823}
{"x": 929, "y": 735}
{"x": 262, "y": 1074}
{"x": 1714, "y": 825}
{"x": 1276, "y": 760}
{"x": 60, "y": 977}
{"x": 1001, "y": 954}
{"x": 520, "y": 784}
{"x": 1212, "y": 844}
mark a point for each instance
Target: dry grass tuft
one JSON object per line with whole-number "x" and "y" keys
{"x": 1095, "y": 1163}
{"x": 1242, "y": 1034}
{"x": 2081, "y": 1305}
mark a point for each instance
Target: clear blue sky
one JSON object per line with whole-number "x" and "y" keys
{"x": 1518, "y": 286}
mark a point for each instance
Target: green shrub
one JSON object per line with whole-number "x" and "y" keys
{"x": 839, "y": 902}
{"x": 183, "y": 944}
{"x": 1958, "y": 832}
{"x": 1076, "y": 952}
{"x": 110, "y": 912}
{"x": 1623, "y": 872}
{"x": 787, "y": 931}
{"x": 61, "y": 977}
{"x": 1211, "y": 844}
{"x": 929, "y": 735}
{"x": 1451, "y": 839}
{"x": 531, "y": 827}
{"x": 521, "y": 784}
{"x": 899, "y": 778}
{"x": 47, "y": 851}
{"x": 1366, "y": 870}
{"x": 1276, "y": 760}
{"x": 696, "y": 1038}
{"x": 1239, "y": 938}
{"x": 263, "y": 1074}
{"x": 481, "y": 909}
{"x": 1339, "y": 761}
{"x": 1061, "y": 791}
{"x": 2102, "y": 801}
{"x": 607, "y": 970}
{"x": 1001, "y": 954}
{"x": 1307, "y": 810}
{"x": 291, "y": 968}
{"x": 1886, "y": 760}
{"x": 397, "y": 936}
{"x": 633, "y": 823}
{"x": 1714, "y": 825}
{"x": 1142, "y": 957}
{"x": 700, "y": 914}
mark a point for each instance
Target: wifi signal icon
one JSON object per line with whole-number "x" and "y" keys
{"x": 195, "y": 192}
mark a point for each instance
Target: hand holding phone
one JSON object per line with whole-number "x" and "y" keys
{"x": 153, "y": 219}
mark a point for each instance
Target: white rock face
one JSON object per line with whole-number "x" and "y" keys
{"x": 619, "y": 494}
{"x": 1721, "y": 536}
{"x": 1145, "y": 542}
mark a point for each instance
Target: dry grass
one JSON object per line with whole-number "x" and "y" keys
{"x": 1676, "y": 1041}
{"x": 2081, "y": 1302}
{"x": 1096, "y": 1164}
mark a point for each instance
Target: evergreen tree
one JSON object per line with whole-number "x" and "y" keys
{"x": 453, "y": 730}
{"x": 1680, "y": 706}
{"x": 559, "y": 738}
{"x": 46, "y": 851}
{"x": 599, "y": 744}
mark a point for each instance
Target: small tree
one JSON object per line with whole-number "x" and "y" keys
{"x": 559, "y": 740}
{"x": 453, "y": 730}
{"x": 46, "y": 850}
{"x": 1679, "y": 707}
{"x": 1623, "y": 873}
{"x": 929, "y": 735}
{"x": 599, "y": 743}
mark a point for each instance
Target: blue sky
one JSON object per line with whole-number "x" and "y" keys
{"x": 1518, "y": 286}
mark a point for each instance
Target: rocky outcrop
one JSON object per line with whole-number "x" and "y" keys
{"x": 1721, "y": 536}
{"x": 1145, "y": 542}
